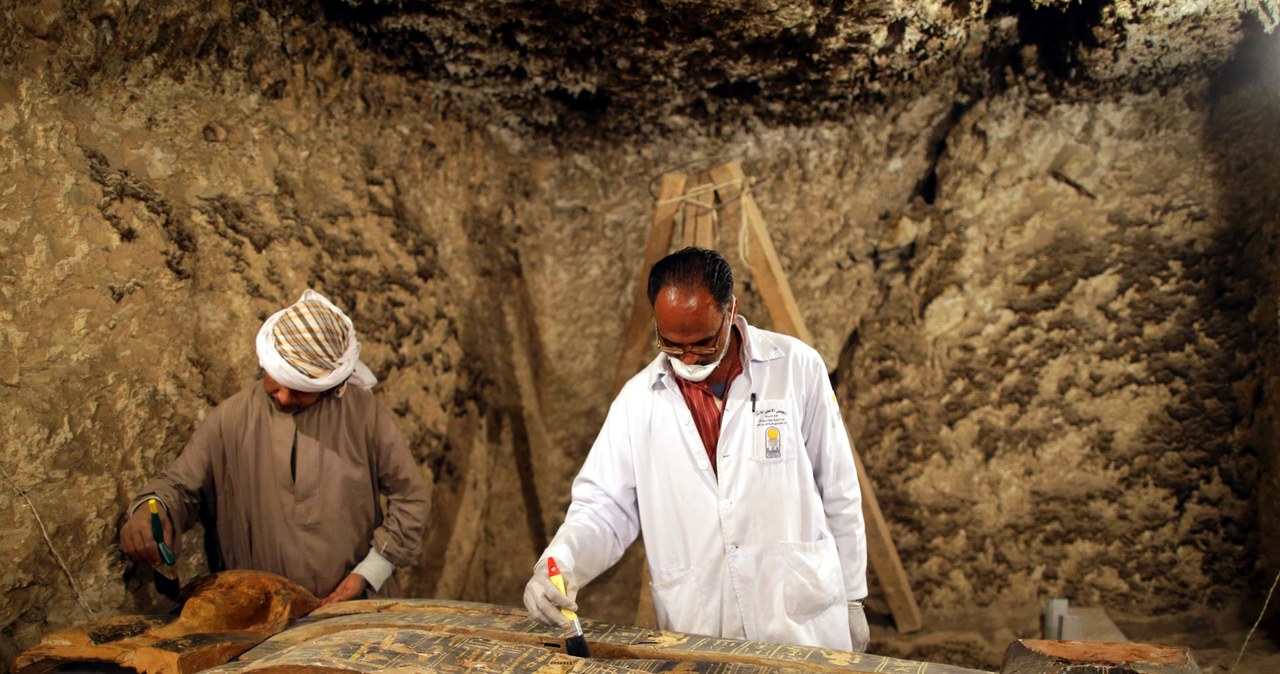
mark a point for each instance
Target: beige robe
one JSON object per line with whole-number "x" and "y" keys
{"x": 314, "y": 529}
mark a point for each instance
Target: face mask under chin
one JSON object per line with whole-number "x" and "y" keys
{"x": 695, "y": 373}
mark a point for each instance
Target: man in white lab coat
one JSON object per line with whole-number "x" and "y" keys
{"x": 728, "y": 452}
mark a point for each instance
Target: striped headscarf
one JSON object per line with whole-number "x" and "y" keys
{"x": 311, "y": 346}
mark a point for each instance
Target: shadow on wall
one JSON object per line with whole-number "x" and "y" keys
{"x": 1241, "y": 138}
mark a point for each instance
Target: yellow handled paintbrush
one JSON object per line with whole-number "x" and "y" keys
{"x": 575, "y": 645}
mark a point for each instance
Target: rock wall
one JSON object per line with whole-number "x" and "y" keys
{"x": 1050, "y": 316}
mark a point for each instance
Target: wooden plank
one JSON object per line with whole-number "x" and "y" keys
{"x": 634, "y": 647}
{"x": 775, "y": 290}
{"x": 638, "y": 339}
{"x": 646, "y": 614}
{"x": 1098, "y": 626}
{"x": 1034, "y": 656}
{"x": 701, "y": 206}
{"x": 882, "y": 554}
{"x": 689, "y": 215}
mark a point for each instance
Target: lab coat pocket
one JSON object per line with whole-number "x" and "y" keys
{"x": 775, "y": 433}
{"x": 671, "y": 603}
{"x": 814, "y": 582}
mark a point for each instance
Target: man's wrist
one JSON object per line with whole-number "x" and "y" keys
{"x": 142, "y": 500}
{"x": 374, "y": 569}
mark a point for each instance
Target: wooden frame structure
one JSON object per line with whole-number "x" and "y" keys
{"x": 698, "y": 201}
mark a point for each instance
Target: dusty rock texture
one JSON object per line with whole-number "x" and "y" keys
{"x": 1034, "y": 241}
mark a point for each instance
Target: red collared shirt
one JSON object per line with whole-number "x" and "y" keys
{"x": 707, "y": 409}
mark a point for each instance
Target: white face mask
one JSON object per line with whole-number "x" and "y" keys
{"x": 696, "y": 372}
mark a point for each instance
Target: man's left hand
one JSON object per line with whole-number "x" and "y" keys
{"x": 859, "y": 631}
{"x": 351, "y": 587}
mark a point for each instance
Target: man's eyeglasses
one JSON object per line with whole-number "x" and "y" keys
{"x": 695, "y": 350}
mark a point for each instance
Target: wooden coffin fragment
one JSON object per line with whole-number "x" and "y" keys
{"x": 222, "y": 616}
{"x": 614, "y": 648}
{"x": 1034, "y": 656}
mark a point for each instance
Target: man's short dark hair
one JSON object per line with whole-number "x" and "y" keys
{"x": 692, "y": 268}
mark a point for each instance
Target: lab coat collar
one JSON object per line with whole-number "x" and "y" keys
{"x": 757, "y": 345}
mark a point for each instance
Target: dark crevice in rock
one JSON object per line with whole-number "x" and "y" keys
{"x": 927, "y": 187}
{"x": 1234, "y": 280}
{"x": 845, "y": 363}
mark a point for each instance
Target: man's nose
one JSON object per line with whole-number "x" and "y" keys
{"x": 690, "y": 358}
{"x": 284, "y": 396}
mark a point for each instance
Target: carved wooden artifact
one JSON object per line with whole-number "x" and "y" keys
{"x": 223, "y": 615}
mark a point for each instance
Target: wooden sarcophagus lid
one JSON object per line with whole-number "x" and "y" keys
{"x": 240, "y": 622}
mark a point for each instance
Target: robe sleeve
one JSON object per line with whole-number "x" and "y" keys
{"x": 399, "y": 537}
{"x": 180, "y": 485}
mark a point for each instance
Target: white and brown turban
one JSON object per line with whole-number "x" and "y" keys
{"x": 311, "y": 346}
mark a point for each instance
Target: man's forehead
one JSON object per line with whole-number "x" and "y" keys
{"x": 687, "y": 317}
{"x": 686, "y": 297}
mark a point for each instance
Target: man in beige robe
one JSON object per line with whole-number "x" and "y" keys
{"x": 293, "y": 469}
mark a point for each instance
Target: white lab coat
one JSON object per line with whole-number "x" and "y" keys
{"x": 772, "y": 549}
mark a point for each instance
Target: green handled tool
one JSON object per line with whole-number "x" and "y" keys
{"x": 166, "y": 577}
{"x": 157, "y": 532}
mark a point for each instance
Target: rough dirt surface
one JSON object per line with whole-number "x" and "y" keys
{"x": 1034, "y": 241}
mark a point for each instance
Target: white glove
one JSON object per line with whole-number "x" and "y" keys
{"x": 544, "y": 601}
{"x": 859, "y": 632}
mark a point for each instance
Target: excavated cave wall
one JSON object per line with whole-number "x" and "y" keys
{"x": 1049, "y": 308}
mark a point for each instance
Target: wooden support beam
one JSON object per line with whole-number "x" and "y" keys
{"x": 702, "y": 208}
{"x": 882, "y": 554}
{"x": 638, "y": 339}
{"x": 646, "y": 615}
{"x": 691, "y": 209}
{"x": 771, "y": 279}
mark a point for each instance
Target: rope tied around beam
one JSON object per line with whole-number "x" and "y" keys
{"x": 744, "y": 188}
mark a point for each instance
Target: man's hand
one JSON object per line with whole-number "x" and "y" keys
{"x": 351, "y": 587}
{"x": 859, "y": 632}
{"x": 544, "y": 601}
{"x": 136, "y": 540}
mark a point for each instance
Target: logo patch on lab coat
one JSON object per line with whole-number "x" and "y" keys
{"x": 772, "y": 424}
{"x": 772, "y": 443}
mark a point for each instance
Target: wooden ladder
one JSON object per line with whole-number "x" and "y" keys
{"x": 699, "y": 200}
